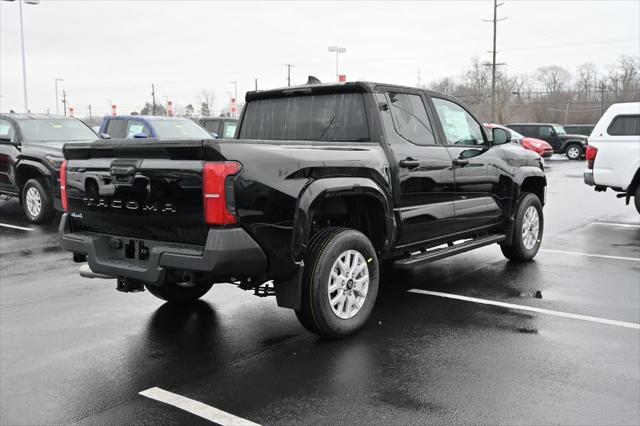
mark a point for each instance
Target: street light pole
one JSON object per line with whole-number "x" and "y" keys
{"x": 24, "y": 65}
{"x": 56, "y": 80}
{"x": 338, "y": 50}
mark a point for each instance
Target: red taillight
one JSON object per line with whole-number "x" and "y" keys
{"x": 214, "y": 191}
{"x": 63, "y": 186}
{"x": 591, "y": 153}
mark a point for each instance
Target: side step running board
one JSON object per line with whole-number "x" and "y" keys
{"x": 437, "y": 254}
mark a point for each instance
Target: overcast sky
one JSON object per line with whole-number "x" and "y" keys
{"x": 113, "y": 50}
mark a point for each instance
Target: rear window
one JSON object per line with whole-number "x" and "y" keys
{"x": 625, "y": 125}
{"x": 332, "y": 117}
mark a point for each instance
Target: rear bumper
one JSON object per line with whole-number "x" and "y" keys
{"x": 228, "y": 252}
{"x": 546, "y": 154}
{"x": 588, "y": 177}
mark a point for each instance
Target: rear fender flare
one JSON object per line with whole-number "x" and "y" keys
{"x": 321, "y": 189}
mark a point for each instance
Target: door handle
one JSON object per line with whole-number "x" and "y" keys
{"x": 409, "y": 163}
{"x": 460, "y": 162}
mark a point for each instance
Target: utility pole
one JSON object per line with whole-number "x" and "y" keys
{"x": 601, "y": 91}
{"x": 494, "y": 52}
{"x": 289, "y": 73}
{"x": 89, "y": 106}
{"x": 56, "y": 80}
{"x": 153, "y": 97}
{"x": 235, "y": 92}
{"x": 64, "y": 101}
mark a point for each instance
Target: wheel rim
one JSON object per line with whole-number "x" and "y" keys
{"x": 34, "y": 202}
{"x": 530, "y": 227}
{"x": 573, "y": 152}
{"x": 348, "y": 284}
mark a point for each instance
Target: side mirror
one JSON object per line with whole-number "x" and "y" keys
{"x": 500, "y": 136}
{"x": 215, "y": 135}
{"x": 105, "y": 136}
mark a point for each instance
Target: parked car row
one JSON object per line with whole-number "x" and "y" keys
{"x": 573, "y": 146}
{"x": 31, "y": 149}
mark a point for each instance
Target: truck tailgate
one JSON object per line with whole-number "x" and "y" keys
{"x": 140, "y": 189}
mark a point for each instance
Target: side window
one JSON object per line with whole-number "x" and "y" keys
{"x": 459, "y": 126}
{"x": 544, "y": 131}
{"x": 625, "y": 125}
{"x": 229, "y": 130}
{"x": 115, "y": 128}
{"x": 135, "y": 128}
{"x": 410, "y": 118}
{"x": 529, "y": 131}
{"x": 212, "y": 126}
{"x": 7, "y": 130}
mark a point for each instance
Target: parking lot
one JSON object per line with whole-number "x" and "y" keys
{"x": 74, "y": 350}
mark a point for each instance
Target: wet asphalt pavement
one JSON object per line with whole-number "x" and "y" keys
{"x": 74, "y": 350}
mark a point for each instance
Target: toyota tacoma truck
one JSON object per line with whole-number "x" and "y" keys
{"x": 30, "y": 159}
{"x": 321, "y": 185}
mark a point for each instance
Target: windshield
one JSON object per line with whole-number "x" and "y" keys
{"x": 179, "y": 129}
{"x": 55, "y": 130}
{"x": 334, "y": 117}
{"x": 559, "y": 129}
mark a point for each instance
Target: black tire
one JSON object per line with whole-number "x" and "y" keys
{"x": 518, "y": 250}
{"x": 173, "y": 292}
{"x": 44, "y": 212}
{"x": 573, "y": 151}
{"x": 316, "y": 313}
{"x": 636, "y": 199}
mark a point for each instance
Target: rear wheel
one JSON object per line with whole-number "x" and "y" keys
{"x": 527, "y": 230}
{"x": 37, "y": 203}
{"x": 573, "y": 152}
{"x": 182, "y": 293}
{"x": 340, "y": 283}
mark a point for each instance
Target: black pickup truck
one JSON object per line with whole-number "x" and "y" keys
{"x": 30, "y": 159}
{"x": 322, "y": 185}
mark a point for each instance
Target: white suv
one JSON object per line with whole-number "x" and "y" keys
{"x": 613, "y": 152}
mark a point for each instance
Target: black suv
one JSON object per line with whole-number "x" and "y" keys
{"x": 573, "y": 146}
{"x": 30, "y": 159}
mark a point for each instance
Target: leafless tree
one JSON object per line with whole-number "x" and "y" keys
{"x": 624, "y": 78}
{"x": 477, "y": 78}
{"x": 586, "y": 80}
{"x": 207, "y": 97}
{"x": 554, "y": 79}
{"x": 445, "y": 85}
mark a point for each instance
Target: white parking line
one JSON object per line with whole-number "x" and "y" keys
{"x": 604, "y": 256}
{"x": 527, "y": 308}
{"x": 22, "y": 228}
{"x": 195, "y": 407}
{"x": 621, "y": 225}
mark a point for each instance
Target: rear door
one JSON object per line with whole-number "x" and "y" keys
{"x": 425, "y": 177}
{"x": 476, "y": 167}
